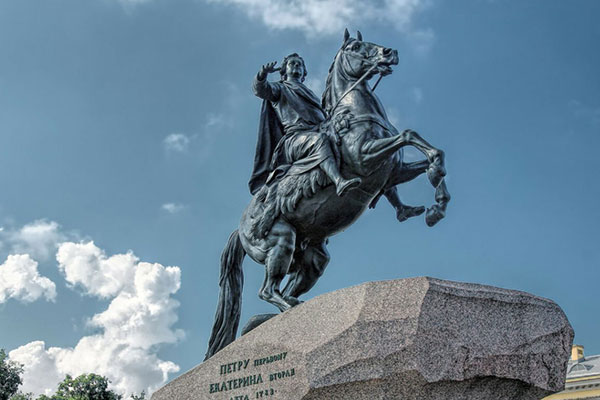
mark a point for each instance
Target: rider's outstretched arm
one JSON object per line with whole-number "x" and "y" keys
{"x": 262, "y": 87}
{"x": 265, "y": 89}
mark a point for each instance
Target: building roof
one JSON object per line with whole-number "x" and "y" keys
{"x": 583, "y": 378}
{"x": 584, "y": 367}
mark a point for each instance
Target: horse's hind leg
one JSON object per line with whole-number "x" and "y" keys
{"x": 281, "y": 240}
{"x": 309, "y": 265}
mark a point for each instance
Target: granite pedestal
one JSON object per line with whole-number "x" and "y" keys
{"x": 419, "y": 338}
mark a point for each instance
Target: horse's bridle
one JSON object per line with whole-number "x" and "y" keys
{"x": 362, "y": 78}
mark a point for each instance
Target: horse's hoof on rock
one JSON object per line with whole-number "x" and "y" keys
{"x": 292, "y": 301}
{"x": 255, "y": 321}
{"x": 434, "y": 215}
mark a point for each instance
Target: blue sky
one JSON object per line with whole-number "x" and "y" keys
{"x": 127, "y": 134}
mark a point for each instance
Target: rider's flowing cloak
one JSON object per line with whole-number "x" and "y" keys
{"x": 299, "y": 105}
{"x": 270, "y": 133}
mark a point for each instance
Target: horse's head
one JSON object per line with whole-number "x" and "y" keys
{"x": 356, "y": 60}
{"x": 357, "y": 57}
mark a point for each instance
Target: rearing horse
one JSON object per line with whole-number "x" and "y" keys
{"x": 302, "y": 211}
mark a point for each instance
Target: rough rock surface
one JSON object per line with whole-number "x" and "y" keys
{"x": 419, "y": 338}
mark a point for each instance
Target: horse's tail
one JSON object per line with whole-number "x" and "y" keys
{"x": 231, "y": 281}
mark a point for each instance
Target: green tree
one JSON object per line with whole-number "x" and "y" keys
{"x": 10, "y": 376}
{"x": 85, "y": 387}
{"x": 142, "y": 396}
{"x": 22, "y": 396}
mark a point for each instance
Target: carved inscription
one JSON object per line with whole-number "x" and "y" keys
{"x": 270, "y": 359}
{"x": 249, "y": 377}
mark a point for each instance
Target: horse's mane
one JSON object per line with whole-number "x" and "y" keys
{"x": 327, "y": 98}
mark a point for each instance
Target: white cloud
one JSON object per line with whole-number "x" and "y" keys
{"x": 177, "y": 142}
{"x": 173, "y": 208}
{"x": 142, "y": 315}
{"x": 20, "y": 280}
{"x": 139, "y": 317}
{"x": 40, "y": 373}
{"x": 201, "y": 144}
{"x": 39, "y": 239}
{"x": 216, "y": 120}
{"x": 86, "y": 265}
{"x": 317, "y": 17}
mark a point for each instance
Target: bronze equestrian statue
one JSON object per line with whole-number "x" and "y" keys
{"x": 315, "y": 173}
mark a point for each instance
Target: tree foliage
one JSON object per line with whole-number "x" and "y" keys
{"x": 10, "y": 376}
{"x": 85, "y": 387}
{"x": 22, "y": 396}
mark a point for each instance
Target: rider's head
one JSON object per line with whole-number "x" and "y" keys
{"x": 293, "y": 67}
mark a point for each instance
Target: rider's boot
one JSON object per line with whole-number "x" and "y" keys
{"x": 341, "y": 185}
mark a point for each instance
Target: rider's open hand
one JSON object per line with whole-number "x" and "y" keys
{"x": 266, "y": 69}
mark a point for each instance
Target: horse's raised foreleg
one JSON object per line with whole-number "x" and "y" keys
{"x": 437, "y": 169}
{"x": 309, "y": 265}
{"x": 406, "y": 172}
{"x": 403, "y": 211}
{"x": 438, "y": 211}
{"x": 402, "y": 173}
{"x": 282, "y": 241}
{"x": 376, "y": 150}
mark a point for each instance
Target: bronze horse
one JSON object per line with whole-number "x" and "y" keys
{"x": 287, "y": 223}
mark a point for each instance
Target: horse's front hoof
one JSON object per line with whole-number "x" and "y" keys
{"x": 434, "y": 215}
